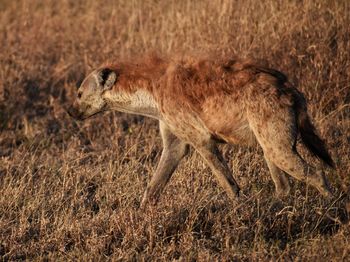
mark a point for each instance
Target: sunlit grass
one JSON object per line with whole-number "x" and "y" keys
{"x": 72, "y": 190}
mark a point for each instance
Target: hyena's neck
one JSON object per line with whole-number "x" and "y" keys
{"x": 139, "y": 102}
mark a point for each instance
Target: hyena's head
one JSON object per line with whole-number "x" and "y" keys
{"x": 90, "y": 96}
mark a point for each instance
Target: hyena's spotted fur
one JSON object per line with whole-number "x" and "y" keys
{"x": 203, "y": 102}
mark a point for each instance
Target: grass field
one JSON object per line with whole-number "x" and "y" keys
{"x": 71, "y": 190}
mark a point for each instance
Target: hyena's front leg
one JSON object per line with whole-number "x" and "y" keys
{"x": 218, "y": 165}
{"x": 174, "y": 150}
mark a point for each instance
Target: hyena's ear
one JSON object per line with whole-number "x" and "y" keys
{"x": 107, "y": 78}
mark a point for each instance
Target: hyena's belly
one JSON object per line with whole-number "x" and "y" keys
{"x": 233, "y": 132}
{"x": 228, "y": 122}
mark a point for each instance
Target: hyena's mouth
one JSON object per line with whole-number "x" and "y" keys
{"x": 85, "y": 117}
{"x": 76, "y": 114}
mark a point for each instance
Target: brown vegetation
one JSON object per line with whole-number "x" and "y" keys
{"x": 72, "y": 190}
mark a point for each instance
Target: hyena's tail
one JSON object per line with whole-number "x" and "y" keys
{"x": 308, "y": 132}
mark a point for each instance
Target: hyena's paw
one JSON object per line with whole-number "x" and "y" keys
{"x": 282, "y": 191}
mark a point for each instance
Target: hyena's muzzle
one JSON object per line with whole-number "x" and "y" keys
{"x": 75, "y": 112}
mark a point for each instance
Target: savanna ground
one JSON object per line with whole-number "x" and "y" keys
{"x": 71, "y": 190}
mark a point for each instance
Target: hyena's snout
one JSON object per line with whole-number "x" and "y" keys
{"x": 74, "y": 112}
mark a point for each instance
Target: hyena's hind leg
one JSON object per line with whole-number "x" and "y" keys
{"x": 279, "y": 178}
{"x": 174, "y": 150}
{"x": 277, "y": 138}
{"x": 290, "y": 162}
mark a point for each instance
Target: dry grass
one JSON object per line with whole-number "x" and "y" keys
{"x": 72, "y": 190}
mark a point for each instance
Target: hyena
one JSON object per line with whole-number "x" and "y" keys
{"x": 203, "y": 102}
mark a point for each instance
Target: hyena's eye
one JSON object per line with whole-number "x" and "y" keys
{"x": 79, "y": 95}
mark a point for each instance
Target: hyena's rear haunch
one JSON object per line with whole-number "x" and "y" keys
{"x": 202, "y": 102}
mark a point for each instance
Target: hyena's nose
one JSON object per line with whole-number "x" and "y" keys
{"x": 73, "y": 112}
